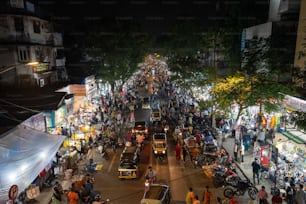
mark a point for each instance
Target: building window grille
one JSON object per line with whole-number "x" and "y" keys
{"x": 23, "y": 54}
{"x": 19, "y": 27}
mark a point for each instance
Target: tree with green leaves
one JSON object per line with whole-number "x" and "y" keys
{"x": 116, "y": 50}
{"x": 246, "y": 91}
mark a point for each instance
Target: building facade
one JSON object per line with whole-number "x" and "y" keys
{"x": 31, "y": 51}
{"x": 272, "y": 43}
{"x": 300, "y": 50}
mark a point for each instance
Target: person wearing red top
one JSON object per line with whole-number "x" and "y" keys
{"x": 234, "y": 200}
{"x": 276, "y": 199}
{"x": 262, "y": 195}
{"x": 178, "y": 151}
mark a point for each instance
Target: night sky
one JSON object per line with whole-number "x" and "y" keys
{"x": 154, "y": 16}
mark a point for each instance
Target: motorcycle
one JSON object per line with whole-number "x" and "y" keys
{"x": 226, "y": 176}
{"x": 148, "y": 182}
{"x": 97, "y": 198}
{"x": 242, "y": 187}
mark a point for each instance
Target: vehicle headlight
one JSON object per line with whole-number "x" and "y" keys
{"x": 164, "y": 152}
{"x": 155, "y": 152}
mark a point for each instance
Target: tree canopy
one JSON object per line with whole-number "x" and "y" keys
{"x": 116, "y": 50}
{"x": 247, "y": 91}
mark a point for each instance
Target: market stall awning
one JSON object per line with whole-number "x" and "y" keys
{"x": 24, "y": 153}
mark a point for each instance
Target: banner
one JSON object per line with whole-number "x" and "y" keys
{"x": 265, "y": 156}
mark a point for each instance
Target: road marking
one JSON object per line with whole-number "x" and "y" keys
{"x": 112, "y": 162}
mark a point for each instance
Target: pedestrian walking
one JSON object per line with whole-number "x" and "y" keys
{"x": 233, "y": 200}
{"x": 208, "y": 197}
{"x": 73, "y": 196}
{"x": 262, "y": 196}
{"x": 255, "y": 168}
{"x": 196, "y": 200}
{"x": 184, "y": 153}
{"x": 242, "y": 148}
{"x": 178, "y": 151}
{"x": 190, "y": 196}
{"x": 290, "y": 193}
{"x": 300, "y": 196}
{"x": 90, "y": 155}
{"x": 57, "y": 194}
{"x": 236, "y": 147}
{"x": 277, "y": 199}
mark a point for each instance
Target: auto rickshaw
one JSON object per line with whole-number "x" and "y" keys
{"x": 128, "y": 166}
{"x": 159, "y": 145}
{"x": 157, "y": 194}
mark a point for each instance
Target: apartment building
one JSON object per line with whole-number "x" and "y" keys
{"x": 273, "y": 41}
{"x": 31, "y": 52}
{"x": 300, "y": 49}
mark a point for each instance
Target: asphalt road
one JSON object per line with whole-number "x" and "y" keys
{"x": 179, "y": 175}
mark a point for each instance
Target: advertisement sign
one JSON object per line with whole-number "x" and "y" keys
{"x": 41, "y": 67}
{"x": 265, "y": 156}
{"x": 37, "y": 122}
{"x": 295, "y": 103}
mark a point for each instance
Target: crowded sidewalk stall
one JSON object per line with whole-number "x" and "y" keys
{"x": 25, "y": 158}
{"x": 288, "y": 162}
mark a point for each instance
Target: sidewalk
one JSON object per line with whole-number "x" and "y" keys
{"x": 246, "y": 167}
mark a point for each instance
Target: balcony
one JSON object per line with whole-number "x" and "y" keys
{"x": 54, "y": 39}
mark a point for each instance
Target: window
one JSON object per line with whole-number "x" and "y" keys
{"x": 36, "y": 26}
{"x": 19, "y": 27}
{"x": 23, "y": 54}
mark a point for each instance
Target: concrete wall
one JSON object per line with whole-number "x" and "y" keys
{"x": 262, "y": 30}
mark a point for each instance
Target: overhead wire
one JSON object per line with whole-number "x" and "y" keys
{"x": 19, "y": 106}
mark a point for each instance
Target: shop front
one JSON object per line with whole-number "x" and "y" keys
{"x": 288, "y": 161}
{"x": 27, "y": 154}
{"x": 55, "y": 119}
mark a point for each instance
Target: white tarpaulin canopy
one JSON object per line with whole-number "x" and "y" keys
{"x": 24, "y": 153}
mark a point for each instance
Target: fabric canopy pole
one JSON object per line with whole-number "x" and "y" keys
{"x": 24, "y": 153}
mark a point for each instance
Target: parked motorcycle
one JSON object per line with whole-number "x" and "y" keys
{"x": 226, "y": 177}
{"x": 242, "y": 187}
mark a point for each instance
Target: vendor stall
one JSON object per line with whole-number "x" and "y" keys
{"x": 291, "y": 163}
{"x": 24, "y": 153}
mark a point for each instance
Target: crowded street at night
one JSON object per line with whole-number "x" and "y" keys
{"x": 152, "y": 102}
